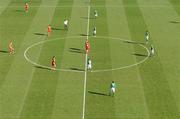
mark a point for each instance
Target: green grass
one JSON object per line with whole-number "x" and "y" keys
{"x": 146, "y": 91}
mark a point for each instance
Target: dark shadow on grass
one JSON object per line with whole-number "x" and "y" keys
{"x": 40, "y": 67}
{"x": 19, "y": 10}
{"x": 53, "y": 28}
{"x": 132, "y": 42}
{"x": 174, "y": 22}
{"x": 83, "y": 34}
{"x": 97, "y": 93}
{"x": 4, "y": 51}
{"x": 76, "y": 69}
{"x": 141, "y": 55}
{"x": 40, "y": 34}
{"x": 76, "y": 50}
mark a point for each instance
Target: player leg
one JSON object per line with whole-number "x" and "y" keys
{"x": 87, "y": 50}
{"x": 90, "y": 66}
{"x": 152, "y": 52}
{"x": 113, "y": 91}
{"x": 147, "y": 39}
{"x": 49, "y": 33}
{"x": 12, "y": 50}
{"x": 95, "y": 33}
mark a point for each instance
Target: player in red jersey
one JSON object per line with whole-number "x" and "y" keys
{"x": 11, "y": 49}
{"x": 49, "y": 30}
{"x": 26, "y": 7}
{"x": 53, "y": 63}
{"x": 87, "y": 45}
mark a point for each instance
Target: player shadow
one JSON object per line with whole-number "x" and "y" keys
{"x": 133, "y": 42}
{"x": 88, "y": 17}
{"x": 4, "y": 51}
{"x": 174, "y": 22}
{"x": 40, "y": 34}
{"x": 76, "y": 50}
{"x": 40, "y": 67}
{"x": 19, "y": 10}
{"x": 82, "y": 34}
{"x": 98, "y": 93}
{"x": 77, "y": 69}
{"x": 56, "y": 29}
{"x": 141, "y": 55}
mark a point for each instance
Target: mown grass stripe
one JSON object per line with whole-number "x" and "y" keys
{"x": 69, "y": 96}
{"x": 4, "y": 5}
{"x": 98, "y": 103}
{"x": 44, "y": 81}
{"x": 22, "y": 81}
{"x": 13, "y": 30}
{"x": 176, "y": 4}
{"x": 158, "y": 95}
{"x": 130, "y": 100}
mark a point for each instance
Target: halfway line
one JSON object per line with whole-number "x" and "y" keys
{"x": 85, "y": 73}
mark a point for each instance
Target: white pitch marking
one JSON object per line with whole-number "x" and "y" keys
{"x": 85, "y": 73}
{"x": 128, "y": 66}
{"x": 93, "y": 71}
{"x": 36, "y": 64}
{"x": 100, "y": 6}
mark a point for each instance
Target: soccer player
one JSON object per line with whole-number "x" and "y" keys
{"x": 147, "y": 37}
{"x": 11, "y": 49}
{"x": 89, "y": 64}
{"x": 49, "y": 30}
{"x": 53, "y": 63}
{"x": 112, "y": 89}
{"x": 152, "y": 50}
{"x": 94, "y": 31}
{"x": 26, "y": 7}
{"x": 95, "y": 13}
{"x": 65, "y": 24}
{"x": 87, "y": 46}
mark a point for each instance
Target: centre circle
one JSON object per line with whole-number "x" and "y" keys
{"x": 117, "y": 58}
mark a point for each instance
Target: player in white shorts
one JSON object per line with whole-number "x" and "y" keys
{"x": 152, "y": 50}
{"x": 95, "y": 14}
{"x": 147, "y": 37}
{"x": 65, "y": 24}
{"x": 112, "y": 88}
{"x": 89, "y": 64}
{"x": 94, "y": 31}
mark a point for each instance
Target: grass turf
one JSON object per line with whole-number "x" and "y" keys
{"x": 147, "y": 91}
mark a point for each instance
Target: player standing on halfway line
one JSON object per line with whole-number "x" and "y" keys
{"x": 53, "y": 63}
{"x": 26, "y": 7}
{"x": 11, "y": 49}
{"x": 66, "y": 24}
{"x": 147, "y": 35}
{"x": 87, "y": 46}
{"x": 89, "y": 64}
{"x": 112, "y": 89}
{"x": 95, "y": 13}
{"x": 94, "y": 31}
{"x": 152, "y": 50}
{"x": 49, "y": 30}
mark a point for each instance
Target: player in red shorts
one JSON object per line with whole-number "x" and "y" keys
{"x": 49, "y": 30}
{"x": 53, "y": 63}
{"x": 87, "y": 45}
{"x": 26, "y": 7}
{"x": 11, "y": 49}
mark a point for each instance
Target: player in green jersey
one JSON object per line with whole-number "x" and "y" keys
{"x": 147, "y": 35}
{"x": 112, "y": 88}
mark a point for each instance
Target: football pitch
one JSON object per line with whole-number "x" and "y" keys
{"x": 147, "y": 87}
